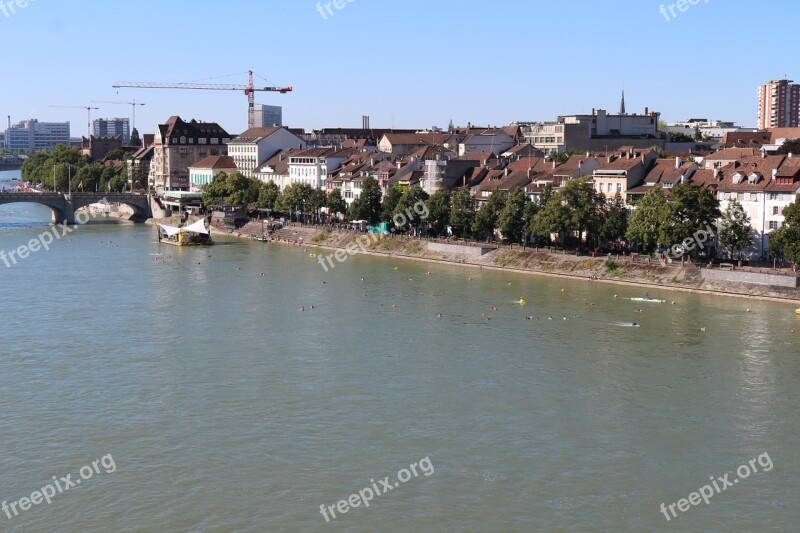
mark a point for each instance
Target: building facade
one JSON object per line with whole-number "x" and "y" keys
{"x": 112, "y": 127}
{"x": 179, "y": 144}
{"x": 204, "y": 171}
{"x": 31, "y": 135}
{"x": 268, "y": 115}
{"x": 779, "y": 104}
{"x": 255, "y": 146}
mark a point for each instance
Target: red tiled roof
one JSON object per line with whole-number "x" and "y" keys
{"x": 215, "y": 162}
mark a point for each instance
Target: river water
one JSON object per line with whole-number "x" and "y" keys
{"x": 223, "y": 407}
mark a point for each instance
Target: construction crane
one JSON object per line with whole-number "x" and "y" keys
{"x": 249, "y": 90}
{"x": 133, "y": 103}
{"x": 88, "y": 115}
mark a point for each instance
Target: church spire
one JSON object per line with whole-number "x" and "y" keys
{"x": 622, "y": 103}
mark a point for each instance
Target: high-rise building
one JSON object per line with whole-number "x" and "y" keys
{"x": 31, "y": 135}
{"x": 779, "y": 104}
{"x": 268, "y": 116}
{"x": 112, "y": 127}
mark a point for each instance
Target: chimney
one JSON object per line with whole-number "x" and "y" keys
{"x": 774, "y": 172}
{"x": 677, "y": 162}
{"x": 608, "y": 159}
{"x": 715, "y": 173}
{"x": 790, "y": 155}
{"x": 506, "y": 171}
{"x": 554, "y": 163}
{"x": 646, "y": 110}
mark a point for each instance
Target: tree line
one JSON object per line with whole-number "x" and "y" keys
{"x": 573, "y": 215}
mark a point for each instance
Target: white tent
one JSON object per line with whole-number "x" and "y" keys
{"x": 197, "y": 227}
{"x": 170, "y": 230}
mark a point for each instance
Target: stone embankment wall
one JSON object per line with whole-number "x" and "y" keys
{"x": 753, "y": 278}
{"x": 471, "y": 251}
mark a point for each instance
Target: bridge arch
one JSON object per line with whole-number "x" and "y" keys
{"x": 138, "y": 203}
{"x": 60, "y": 208}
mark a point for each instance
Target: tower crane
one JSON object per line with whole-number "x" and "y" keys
{"x": 133, "y": 103}
{"x": 249, "y": 90}
{"x": 88, "y": 115}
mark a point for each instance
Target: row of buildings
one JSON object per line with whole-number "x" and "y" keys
{"x": 182, "y": 156}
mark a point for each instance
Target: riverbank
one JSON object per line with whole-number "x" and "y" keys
{"x": 620, "y": 270}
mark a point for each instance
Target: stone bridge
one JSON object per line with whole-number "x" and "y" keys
{"x": 64, "y": 206}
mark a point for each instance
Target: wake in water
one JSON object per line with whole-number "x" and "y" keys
{"x": 626, "y": 324}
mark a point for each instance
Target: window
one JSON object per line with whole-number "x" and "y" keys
{"x": 619, "y": 188}
{"x": 773, "y": 196}
{"x": 753, "y": 196}
{"x": 775, "y": 210}
{"x": 773, "y": 224}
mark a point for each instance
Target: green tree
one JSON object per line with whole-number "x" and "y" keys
{"x": 411, "y": 210}
{"x": 439, "y": 211}
{"x": 462, "y": 215}
{"x": 486, "y": 218}
{"x": 335, "y": 203}
{"x": 547, "y": 194}
{"x": 692, "y": 209}
{"x": 784, "y": 242}
{"x": 390, "y": 201}
{"x": 531, "y": 210}
{"x": 646, "y": 221}
{"x": 135, "y": 140}
{"x": 511, "y": 220}
{"x": 574, "y": 209}
{"x": 735, "y": 232}
{"x": 679, "y": 137}
{"x": 116, "y": 155}
{"x": 368, "y": 204}
{"x": 615, "y": 220}
{"x": 790, "y": 146}
{"x": 268, "y": 195}
{"x": 698, "y": 135}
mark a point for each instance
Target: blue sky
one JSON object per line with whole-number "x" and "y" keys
{"x": 407, "y": 64}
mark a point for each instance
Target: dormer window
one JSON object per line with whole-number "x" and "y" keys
{"x": 753, "y": 178}
{"x": 737, "y": 178}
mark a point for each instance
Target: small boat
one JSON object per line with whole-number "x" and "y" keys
{"x": 260, "y": 238}
{"x": 649, "y": 300}
{"x": 797, "y": 311}
{"x": 521, "y": 301}
{"x": 195, "y": 234}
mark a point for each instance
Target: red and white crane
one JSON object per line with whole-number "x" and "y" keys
{"x": 249, "y": 90}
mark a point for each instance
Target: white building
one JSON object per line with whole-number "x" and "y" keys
{"x": 256, "y": 145}
{"x": 764, "y": 186}
{"x": 495, "y": 141}
{"x": 313, "y": 166}
{"x": 204, "y": 171}
{"x": 30, "y": 135}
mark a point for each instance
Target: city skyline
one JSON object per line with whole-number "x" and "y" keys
{"x": 544, "y": 62}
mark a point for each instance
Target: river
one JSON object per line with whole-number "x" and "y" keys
{"x": 224, "y": 407}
